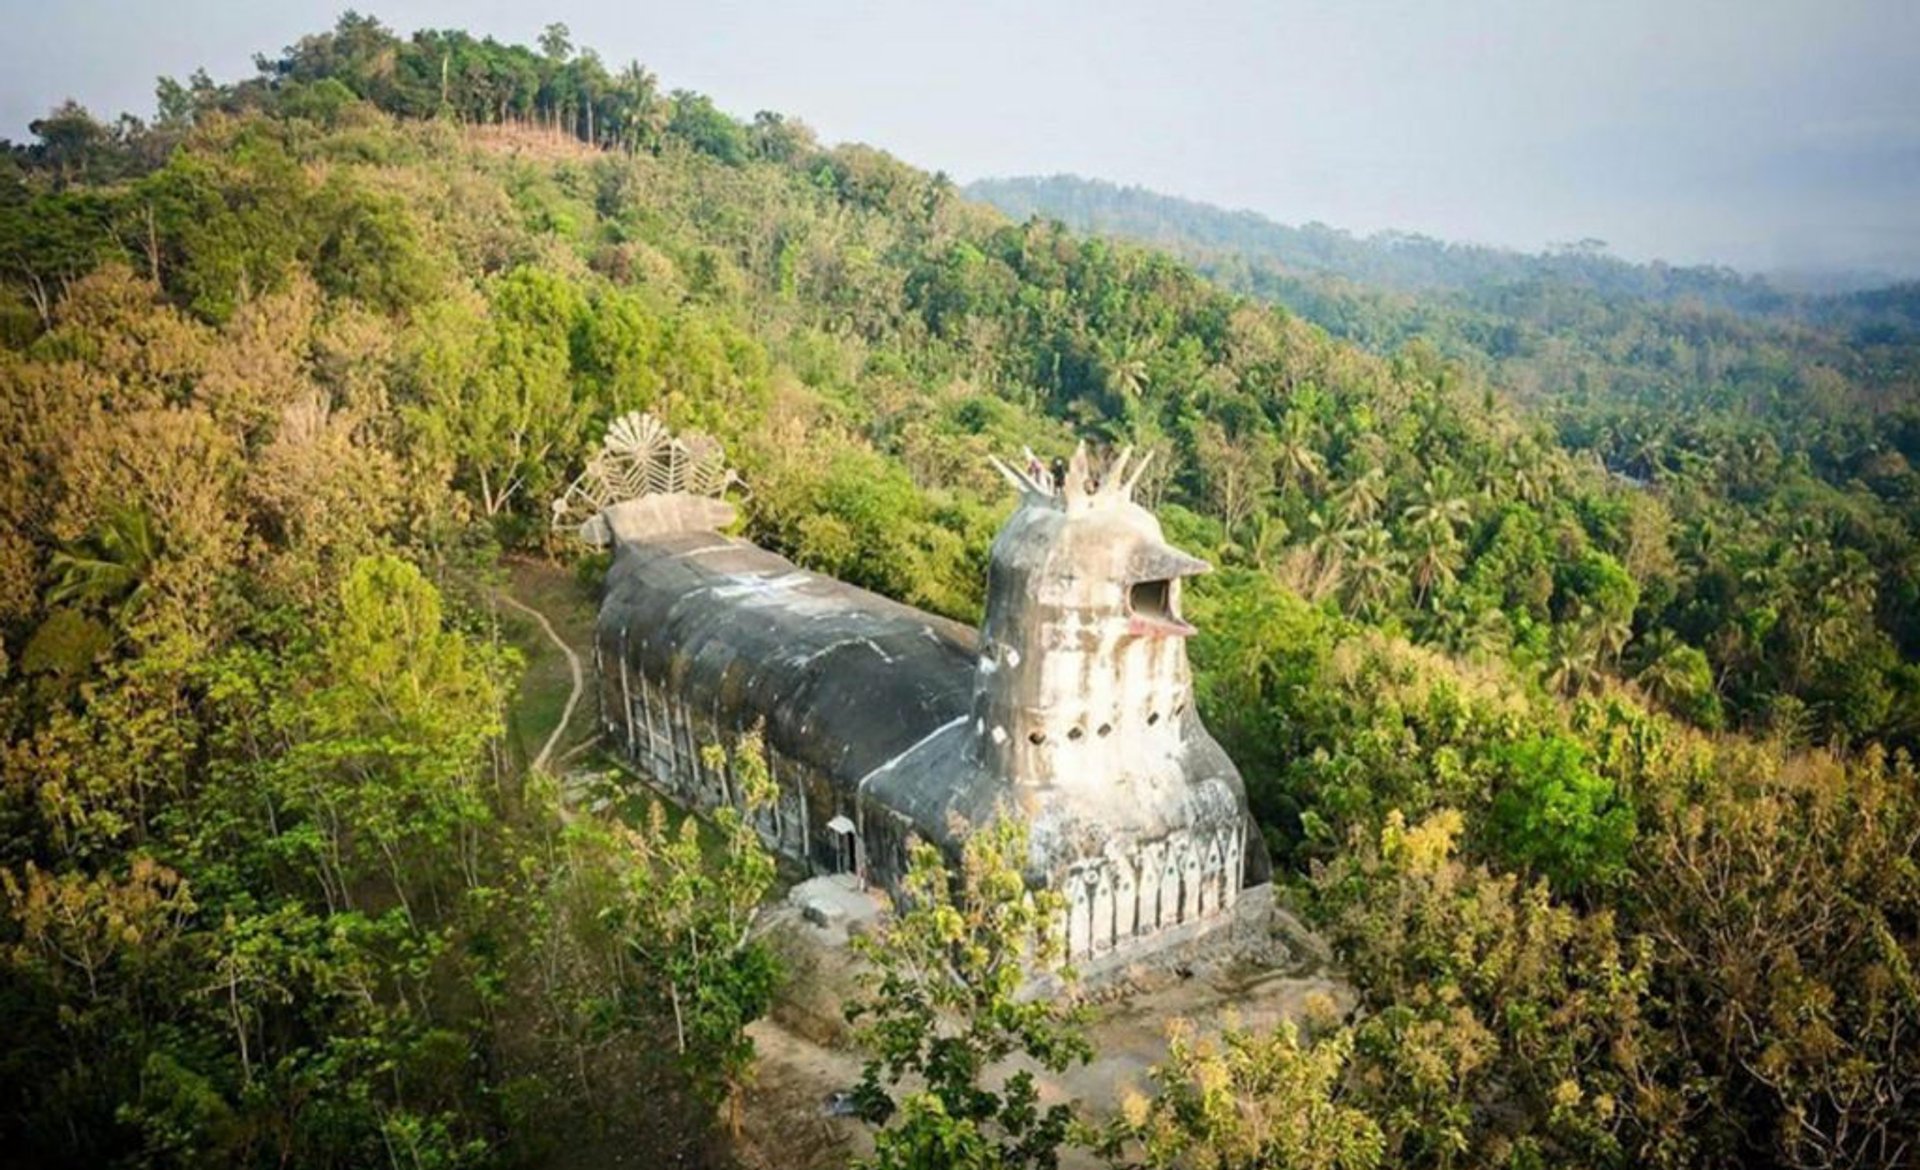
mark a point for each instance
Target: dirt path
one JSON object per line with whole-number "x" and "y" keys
{"x": 573, "y": 665}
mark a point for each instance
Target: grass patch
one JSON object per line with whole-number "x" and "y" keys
{"x": 547, "y": 681}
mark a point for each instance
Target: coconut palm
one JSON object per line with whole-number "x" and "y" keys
{"x": 1434, "y": 560}
{"x": 1327, "y": 548}
{"x": 1532, "y": 479}
{"x": 1326, "y": 540}
{"x": 643, "y": 116}
{"x": 1370, "y": 570}
{"x": 1665, "y": 675}
{"x": 1124, "y": 366}
{"x": 1610, "y": 633}
{"x": 1296, "y": 460}
{"x": 1439, "y": 503}
{"x": 1573, "y": 667}
{"x": 1363, "y": 497}
{"x": 110, "y": 566}
{"x": 1481, "y": 633}
{"x": 1270, "y": 532}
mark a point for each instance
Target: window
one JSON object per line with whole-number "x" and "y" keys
{"x": 1151, "y": 599}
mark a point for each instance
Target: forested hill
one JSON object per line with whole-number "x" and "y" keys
{"x": 1314, "y": 267}
{"x": 1696, "y": 383}
{"x": 1401, "y": 261}
{"x": 1590, "y": 768}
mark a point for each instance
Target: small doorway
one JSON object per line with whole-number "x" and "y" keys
{"x": 846, "y": 850}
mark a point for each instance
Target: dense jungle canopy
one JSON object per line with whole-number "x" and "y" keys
{"x": 1567, "y": 629}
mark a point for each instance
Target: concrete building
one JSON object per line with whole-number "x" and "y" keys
{"x": 1072, "y": 706}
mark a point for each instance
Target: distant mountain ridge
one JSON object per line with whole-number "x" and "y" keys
{"x": 1397, "y": 261}
{"x": 1389, "y": 288}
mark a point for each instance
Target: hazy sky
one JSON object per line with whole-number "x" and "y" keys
{"x": 1758, "y": 133}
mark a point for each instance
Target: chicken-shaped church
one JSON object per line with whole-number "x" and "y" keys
{"x": 1071, "y": 707}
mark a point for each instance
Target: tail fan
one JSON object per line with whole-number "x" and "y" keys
{"x": 646, "y": 482}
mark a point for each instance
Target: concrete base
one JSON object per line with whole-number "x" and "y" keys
{"x": 836, "y": 907}
{"x": 1245, "y": 931}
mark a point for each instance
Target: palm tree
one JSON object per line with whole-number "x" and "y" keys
{"x": 1124, "y": 366}
{"x": 1532, "y": 480}
{"x": 1371, "y": 572}
{"x": 1326, "y": 548}
{"x": 642, "y": 117}
{"x": 1832, "y": 628}
{"x": 1854, "y": 583}
{"x": 1434, "y": 562}
{"x": 1611, "y": 633}
{"x": 1361, "y": 500}
{"x": 1487, "y": 634}
{"x": 1664, "y": 676}
{"x": 1439, "y": 504}
{"x": 1296, "y": 460}
{"x": 1484, "y": 633}
{"x": 1649, "y": 453}
{"x": 1434, "y": 415}
{"x": 109, "y": 567}
{"x": 1488, "y": 474}
{"x": 1326, "y": 540}
{"x": 1574, "y": 665}
{"x": 1270, "y": 532}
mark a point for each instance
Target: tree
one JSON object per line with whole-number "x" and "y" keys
{"x": 110, "y": 567}
{"x": 1237, "y": 471}
{"x": 556, "y": 42}
{"x": 1362, "y": 498}
{"x": 387, "y": 749}
{"x": 686, "y": 914}
{"x": 1370, "y": 574}
{"x": 73, "y": 145}
{"x": 1124, "y": 368}
{"x": 1471, "y": 975}
{"x": 944, "y": 1005}
{"x": 1247, "y": 1101}
{"x": 1433, "y": 562}
{"x": 1296, "y": 460}
{"x": 707, "y": 129}
{"x": 495, "y": 394}
{"x": 1679, "y": 676}
{"x": 1552, "y": 812}
{"x": 1573, "y": 667}
{"x": 642, "y": 115}
{"x": 1327, "y": 546}
{"x": 1438, "y": 505}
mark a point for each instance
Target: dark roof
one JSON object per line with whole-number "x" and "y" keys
{"x": 845, "y": 680}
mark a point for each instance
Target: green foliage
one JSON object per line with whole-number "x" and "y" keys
{"x": 110, "y": 567}
{"x": 945, "y": 1004}
{"x": 1552, "y": 813}
{"x": 706, "y": 129}
{"x": 686, "y": 913}
{"x": 492, "y": 386}
{"x": 1506, "y": 1029}
{"x": 285, "y": 371}
{"x": 1248, "y": 1101}
{"x": 1725, "y": 412}
{"x": 1680, "y": 676}
{"x": 65, "y": 645}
